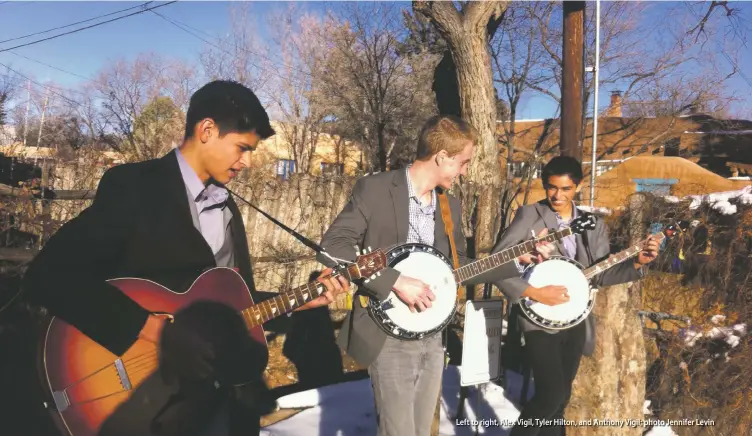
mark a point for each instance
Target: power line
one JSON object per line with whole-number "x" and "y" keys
{"x": 73, "y": 24}
{"x": 51, "y": 89}
{"x": 199, "y": 37}
{"x": 53, "y": 67}
{"x": 185, "y": 28}
{"x": 88, "y": 27}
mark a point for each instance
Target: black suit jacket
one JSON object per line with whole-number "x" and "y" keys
{"x": 139, "y": 225}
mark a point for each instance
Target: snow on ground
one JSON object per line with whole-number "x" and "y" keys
{"x": 347, "y": 409}
{"x": 719, "y": 200}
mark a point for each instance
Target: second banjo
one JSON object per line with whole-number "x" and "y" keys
{"x": 562, "y": 271}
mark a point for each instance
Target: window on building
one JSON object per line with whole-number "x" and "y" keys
{"x": 519, "y": 169}
{"x": 661, "y": 187}
{"x": 671, "y": 147}
{"x": 601, "y": 168}
{"x": 285, "y": 167}
{"x": 332, "y": 169}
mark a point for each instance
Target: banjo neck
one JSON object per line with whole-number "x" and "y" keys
{"x": 488, "y": 263}
{"x": 617, "y": 258}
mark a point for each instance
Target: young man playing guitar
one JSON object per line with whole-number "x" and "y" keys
{"x": 554, "y": 356}
{"x": 165, "y": 220}
{"x": 387, "y": 209}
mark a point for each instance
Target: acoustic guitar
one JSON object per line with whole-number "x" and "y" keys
{"x": 86, "y": 383}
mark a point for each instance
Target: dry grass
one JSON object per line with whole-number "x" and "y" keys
{"x": 709, "y": 377}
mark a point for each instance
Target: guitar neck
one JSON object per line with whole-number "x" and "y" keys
{"x": 616, "y": 259}
{"x": 286, "y": 302}
{"x": 495, "y": 260}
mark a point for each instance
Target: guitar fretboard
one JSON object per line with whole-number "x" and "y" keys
{"x": 616, "y": 259}
{"x": 285, "y": 302}
{"x": 481, "y": 266}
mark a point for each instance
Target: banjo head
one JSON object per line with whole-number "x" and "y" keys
{"x": 561, "y": 271}
{"x": 425, "y": 263}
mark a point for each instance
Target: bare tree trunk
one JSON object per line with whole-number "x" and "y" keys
{"x": 466, "y": 33}
{"x": 611, "y": 384}
{"x": 478, "y": 107}
{"x": 382, "y": 147}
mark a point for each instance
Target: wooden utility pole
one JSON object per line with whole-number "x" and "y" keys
{"x": 572, "y": 79}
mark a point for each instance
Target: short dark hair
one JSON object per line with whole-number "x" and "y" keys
{"x": 233, "y": 107}
{"x": 563, "y": 166}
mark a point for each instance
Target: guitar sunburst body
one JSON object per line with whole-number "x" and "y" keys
{"x": 85, "y": 383}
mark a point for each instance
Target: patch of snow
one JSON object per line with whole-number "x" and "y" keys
{"x": 690, "y": 336}
{"x": 663, "y": 430}
{"x": 348, "y": 409}
{"x": 741, "y": 329}
{"x": 599, "y": 210}
{"x": 646, "y": 408}
{"x": 732, "y": 335}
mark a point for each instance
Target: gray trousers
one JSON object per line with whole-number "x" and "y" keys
{"x": 406, "y": 379}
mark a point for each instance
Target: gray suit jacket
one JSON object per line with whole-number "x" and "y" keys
{"x": 377, "y": 216}
{"x": 538, "y": 216}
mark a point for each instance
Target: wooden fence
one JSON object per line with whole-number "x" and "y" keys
{"x": 304, "y": 203}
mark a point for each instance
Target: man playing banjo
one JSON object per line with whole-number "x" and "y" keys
{"x": 554, "y": 355}
{"x": 386, "y": 210}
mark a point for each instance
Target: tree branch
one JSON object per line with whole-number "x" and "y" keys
{"x": 443, "y": 15}
{"x": 482, "y": 13}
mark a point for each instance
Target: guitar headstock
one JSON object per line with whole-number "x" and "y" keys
{"x": 582, "y": 223}
{"x": 368, "y": 264}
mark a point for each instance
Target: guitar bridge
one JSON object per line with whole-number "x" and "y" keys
{"x": 122, "y": 375}
{"x": 60, "y": 400}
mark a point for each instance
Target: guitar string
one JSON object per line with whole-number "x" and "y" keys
{"x": 144, "y": 364}
{"x": 137, "y": 364}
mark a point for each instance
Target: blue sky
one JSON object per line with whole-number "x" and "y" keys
{"x": 85, "y": 52}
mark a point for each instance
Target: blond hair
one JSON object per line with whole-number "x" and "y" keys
{"x": 445, "y": 132}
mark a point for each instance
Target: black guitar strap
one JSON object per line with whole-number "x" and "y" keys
{"x": 307, "y": 242}
{"x": 587, "y": 247}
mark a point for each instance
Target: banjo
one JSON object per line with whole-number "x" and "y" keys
{"x": 563, "y": 271}
{"x": 429, "y": 265}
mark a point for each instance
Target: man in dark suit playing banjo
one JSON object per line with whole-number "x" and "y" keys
{"x": 554, "y": 355}
{"x": 385, "y": 210}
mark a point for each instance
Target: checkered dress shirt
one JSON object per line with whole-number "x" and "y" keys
{"x": 421, "y": 218}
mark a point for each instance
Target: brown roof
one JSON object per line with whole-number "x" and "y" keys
{"x": 613, "y": 187}
{"x": 699, "y": 138}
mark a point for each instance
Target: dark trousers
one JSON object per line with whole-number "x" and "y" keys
{"x": 554, "y": 360}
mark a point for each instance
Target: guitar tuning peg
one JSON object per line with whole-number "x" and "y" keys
{"x": 370, "y": 249}
{"x": 357, "y": 250}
